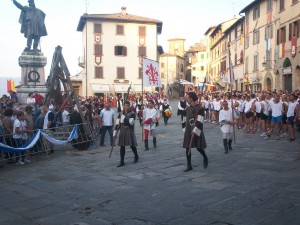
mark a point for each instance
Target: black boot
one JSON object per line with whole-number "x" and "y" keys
{"x": 188, "y": 167}
{"x": 122, "y": 155}
{"x": 229, "y": 144}
{"x": 136, "y": 156}
{"x": 154, "y": 143}
{"x": 146, "y": 145}
{"x": 205, "y": 159}
{"x": 189, "y": 161}
{"x": 225, "y": 146}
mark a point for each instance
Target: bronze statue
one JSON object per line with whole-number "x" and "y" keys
{"x": 32, "y": 24}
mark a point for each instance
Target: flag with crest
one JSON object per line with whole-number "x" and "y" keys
{"x": 151, "y": 76}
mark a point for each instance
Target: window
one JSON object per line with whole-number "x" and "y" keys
{"x": 269, "y": 5}
{"x": 97, "y": 28}
{"x": 246, "y": 64}
{"x": 120, "y": 51}
{"x": 256, "y": 13}
{"x": 142, "y": 31}
{"x": 281, "y": 5}
{"x": 162, "y": 65}
{"x": 120, "y": 30}
{"x": 242, "y": 56}
{"x": 255, "y": 37}
{"x": 236, "y": 33}
{"x": 202, "y": 57}
{"x": 98, "y": 49}
{"x": 255, "y": 62}
{"x": 142, "y": 51}
{"x": 281, "y": 35}
{"x": 120, "y": 73}
{"x": 294, "y": 29}
{"x": 201, "y": 68}
{"x": 140, "y": 73}
{"x": 98, "y": 72}
{"x": 269, "y": 32}
{"x": 162, "y": 75}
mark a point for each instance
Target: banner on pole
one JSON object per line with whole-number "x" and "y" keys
{"x": 231, "y": 72}
{"x": 151, "y": 76}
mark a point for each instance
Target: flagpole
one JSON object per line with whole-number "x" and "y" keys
{"x": 142, "y": 104}
{"x": 231, "y": 84}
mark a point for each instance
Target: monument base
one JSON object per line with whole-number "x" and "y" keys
{"x": 32, "y": 75}
{"x": 24, "y": 90}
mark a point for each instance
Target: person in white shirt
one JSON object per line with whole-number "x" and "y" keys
{"x": 217, "y": 107}
{"x": 20, "y": 136}
{"x": 226, "y": 120}
{"x": 149, "y": 118}
{"x": 277, "y": 107}
{"x": 66, "y": 116}
{"x": 292, "y": 112}
{"x": 31, "y": 99}
{"x": 264, "y": 115}
{"x": 106, "y": 123}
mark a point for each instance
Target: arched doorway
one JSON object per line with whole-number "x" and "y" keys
{"x": 269, "y": 84}
{"x": 287, "y": 75}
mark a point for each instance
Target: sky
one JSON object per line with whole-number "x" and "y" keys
{"x": 187, "y": 19}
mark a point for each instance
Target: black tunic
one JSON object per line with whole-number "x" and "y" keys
{"x": 127, "y": 136}
{"x": 198, "y": 141}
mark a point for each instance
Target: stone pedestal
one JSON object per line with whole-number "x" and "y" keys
{"x": 32, "y": 75}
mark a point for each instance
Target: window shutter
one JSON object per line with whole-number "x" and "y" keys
{"x": 116, "y": 50}
{"x": 284, "y": 34}
{"x": 98, "y": 49}
{"x": 290, "y": 31}
{"x": 97, "y": 28}
{"x": 258, "y": 11}
{"x": 124, "y": 51}
{"x": 258, "y": 35}
{"x": 278, "y": 36}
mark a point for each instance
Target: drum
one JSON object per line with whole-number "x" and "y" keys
{"x": 168, "y": 112}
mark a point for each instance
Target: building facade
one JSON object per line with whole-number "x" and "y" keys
{"x": 114, "y": 46}
{"x": 271, "y": 43}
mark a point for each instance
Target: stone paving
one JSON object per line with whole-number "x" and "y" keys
{"x": 257, "y": 183}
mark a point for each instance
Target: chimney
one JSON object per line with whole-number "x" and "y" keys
{"x": 123, "y": 10}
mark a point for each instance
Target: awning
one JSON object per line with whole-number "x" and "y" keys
{"x": 121, "y": 88}
{"x": 137, "y": 88}
{"x": 100, "y": 88}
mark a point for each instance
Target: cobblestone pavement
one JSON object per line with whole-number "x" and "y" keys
{"x": 257, "y": 183}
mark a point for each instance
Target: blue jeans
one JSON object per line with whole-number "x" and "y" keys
{"x": 110, "y": 131}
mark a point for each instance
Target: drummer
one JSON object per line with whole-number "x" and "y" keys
{"x": 166, "y": 110}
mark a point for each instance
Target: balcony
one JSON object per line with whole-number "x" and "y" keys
{"x": 81, "y": 62}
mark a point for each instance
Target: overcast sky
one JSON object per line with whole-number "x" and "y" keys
{"x": 187, "y": 19}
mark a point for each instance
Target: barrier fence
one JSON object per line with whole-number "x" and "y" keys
{"x": 44, "y": 142}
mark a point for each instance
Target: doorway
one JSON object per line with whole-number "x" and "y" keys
{"x": 288, "y": 82}
{"x": 269, "y": 84}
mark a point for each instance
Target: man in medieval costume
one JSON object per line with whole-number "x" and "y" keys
{"x": 194, "y": 135}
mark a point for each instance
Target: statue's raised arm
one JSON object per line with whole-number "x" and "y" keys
{"x": 32, "y": 22}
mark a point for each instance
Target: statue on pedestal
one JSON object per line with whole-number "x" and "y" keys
{"x": 32, "y": 24}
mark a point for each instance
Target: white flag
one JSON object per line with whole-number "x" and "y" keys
{"x": 151, "y": 76}
{"x": 231, "y": 71}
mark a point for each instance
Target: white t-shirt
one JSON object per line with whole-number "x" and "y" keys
{"x": 276, "y": 108}
{"x": 217, "y": 105}
{"x": 107, "y": 117}
{"x": 65, "y": 117}
{"x": 291, "y": 108}
{"x": 258, "y": 106}
{"x": 30, "y": 101}
{"x": 21, "y": 125}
